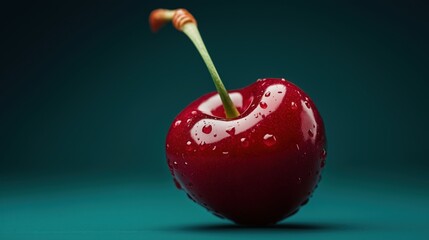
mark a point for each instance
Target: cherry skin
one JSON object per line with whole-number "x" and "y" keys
{"x": 255, "y": 169}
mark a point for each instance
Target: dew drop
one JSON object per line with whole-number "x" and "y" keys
{"x": 230, "y": 130}
{"x": 269, "y": 140}
{"x": 304, "y": 202}
{"x": 190, "y": 197}
{"x": 244, "y": 142}
{"x": 256, "y": 115}
{"x": 263, "y": 105}
{"x": 214, "y": 148}
{"x": 310, "y": 133}
{"x": 188, "y": 146}
{"x": 225, "y": 153}
{"x": 178, "y": 186}
{"x": 323, "y": 154}
{"x": 168, "y": 145}
{"x": 186, "y": 163}
{"x": 293, "y": 106}
{"x": 267, "y": 94}
{"x": 207, "y": 129}
{"x": 307, "y": 104}
{"x": 297, "y": 147}
{"x": 175, "y": 164}
{"x": 194, "y": 112}
{"x": 189, "y": 120}
{"x": 177, "y": 123}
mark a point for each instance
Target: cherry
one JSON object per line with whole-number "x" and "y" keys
{"x": 252, "y": 155}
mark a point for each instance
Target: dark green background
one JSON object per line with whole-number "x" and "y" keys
{"x": 87, "y": 94}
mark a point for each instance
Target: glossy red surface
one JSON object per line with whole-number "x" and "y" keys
{"x": 255, "y": 169}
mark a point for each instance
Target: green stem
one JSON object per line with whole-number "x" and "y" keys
{"x": 192, "y": 32}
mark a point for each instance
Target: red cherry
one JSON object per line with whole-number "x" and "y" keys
{"x": 269, "y": 176}
{"x": 253, "y": 155}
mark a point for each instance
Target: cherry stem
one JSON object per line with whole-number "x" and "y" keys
{"x": 185, "y": 22}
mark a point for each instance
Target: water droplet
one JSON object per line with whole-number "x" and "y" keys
{"x": 189, "y": 196}
{"x": 218, "y": 215}
{"x": 305, "y": 202}
{"x": 244, "y": 142}
{"x": 284, "y": 80}
{"x": 175, "y": 164}
{"x": 323, "y": 154}
{"x": 194, "y": 112}
{"x": 310, "y": 133}
{"x": 256, "y": 115}
{"x": 207, "y": 129}
{"x": 189, "y": 120}
{"x": 263, "y": 105}
{"x": 230, "y": 130}
{"x": 297, "y": 147}
{"x": 178, "y": 186}
{"x": 225, "y": 153}
{"x": 307, "y": 104}
{"x": 177, "y": 123}
{"x": 188, "y": 146}
{"x": 214, "y": 148}
{"x": 186, "y": 163}
{"x": 322, "y": 163}
{"x": 267, "y": 94}
{"x": 269, "y": 140}
{"x": 293, "y": 105}
{"x": 168, "y": 145}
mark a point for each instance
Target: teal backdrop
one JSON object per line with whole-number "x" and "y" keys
{"x": 87, "y": 94}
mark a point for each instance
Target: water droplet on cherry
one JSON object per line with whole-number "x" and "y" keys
{"x": 269, "y": 140}
{"x": 188, "y": 146}
{"x": 225, "y": 153}
{"x": 244, "y": 142}
{"x": 230, "y": 130}
{"x": 267, "y": 94}
{"x": 177, "y": 123}
{"x": 310, "y": 133}
{"x": 307, "y": 104}
{"x": 263, "y": 105}
{"x": 175, "y": 165}
{"x": 194, "y": 112}
{"x": 323, "y": 154}
{"x": 207, "y": 129}
{"x": 293, "y": 105}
